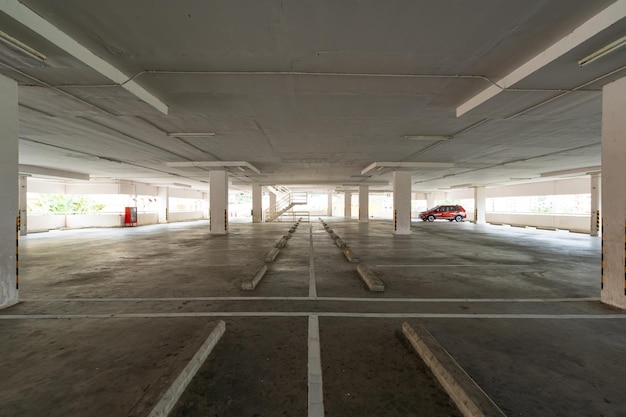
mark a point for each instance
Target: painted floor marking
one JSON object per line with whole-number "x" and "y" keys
{"x": 312, "y": 283}
{"x": 316, "y": 395}
{"x": 452, "y": 266}
{"x": 342, "y": 299}
{"x": 319, "y": 314}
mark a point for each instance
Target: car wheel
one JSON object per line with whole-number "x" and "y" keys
{"x": 458, "y": 218}
{"x": 431, "y": 218}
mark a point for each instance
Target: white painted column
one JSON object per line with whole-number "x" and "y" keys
{"x": 364, "y": 203}
{"x": 23, "y": 186}
{"x": 272, "y": 202}
{"x": 329, "y": 209}
{"x": 257, "y": 204}
{"x": 347, "y": 204}
{"x": 218, "y": 211}
{"x": 9, "y": 193}
{"x": 595, "y": 204}
{"x": 207, "y": 204}
{"x": 613, "y": 196}
{"x": 163, "y": 204}
{"x": 402, "y": 202}
{"x": 430, "y": 200}
{"x": 479, "y": 205}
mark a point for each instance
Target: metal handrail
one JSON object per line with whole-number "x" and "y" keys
{"x": 284, "y": 204}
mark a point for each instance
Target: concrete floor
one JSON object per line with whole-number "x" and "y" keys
{"x": 108, "y": 316}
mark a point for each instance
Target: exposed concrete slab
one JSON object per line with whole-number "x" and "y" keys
{"x": 517, "y": 308}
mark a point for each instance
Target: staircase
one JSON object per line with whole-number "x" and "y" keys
{"x": 283, "y": 205}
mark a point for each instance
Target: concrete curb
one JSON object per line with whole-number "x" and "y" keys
{"x": 248, "y": 285}
{"x": 469, "y": 398}
{"x": 173, "y": 393}
{"x": 282, "y": 242}
{"x": 271, "y": 255}
{"x": 371, "y": 280}
{"x": 350, "y": 256}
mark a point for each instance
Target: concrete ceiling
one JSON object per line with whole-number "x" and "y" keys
{"x": 312, "y": 93}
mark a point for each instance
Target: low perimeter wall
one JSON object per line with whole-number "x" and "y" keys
{"x": 578, "y": 223}
{"x": 41, "y": 223}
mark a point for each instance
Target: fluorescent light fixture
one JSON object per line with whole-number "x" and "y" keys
{"x": 191, "y": 134}
{"x": 21, "y": 46}
{"x": 612, "y": 47}
{"x": 177, "y": 184}
{"x": 572, "y": 172}
{"x": 461, "y": 185}
{"x": 427, "y": 137}
{"x": 404, "y": 166}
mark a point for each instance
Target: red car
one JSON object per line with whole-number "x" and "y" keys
{"x": 450, "y": 213}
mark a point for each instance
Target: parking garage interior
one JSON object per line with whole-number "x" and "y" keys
{"x": 247, "y": 180}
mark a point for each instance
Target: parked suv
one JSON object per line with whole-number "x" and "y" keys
{"x": 444, "y": 212}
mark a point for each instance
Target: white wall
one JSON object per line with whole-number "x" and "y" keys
{"x": 580, "y": 223}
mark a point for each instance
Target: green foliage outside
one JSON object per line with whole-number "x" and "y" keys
{"x": 64, "y": 204}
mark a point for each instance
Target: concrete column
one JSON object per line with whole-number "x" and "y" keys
{"x": 273, "y": 201}
{"x": 479, "y": 205}
{"x": 364, "y": 203}
{"x": 218, "y": 211}
{"x": 23, "y": 186}
{"x": 595, "y": 204}
{"x": 347, "y": 204}
{"x": 207, "y": 202}
{"x": 402, "y": 202}
{"x": 9, "y": 193}
{"x": 430, "y": 200}
{"x": 613, "y": 196}
{"x": 163, "y": 204}
{"x": 257, "y": 204}
{"x": 329, "y": 209}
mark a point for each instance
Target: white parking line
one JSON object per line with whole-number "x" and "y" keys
{"x": 319, "y": 314}
{"x": 312, "y": 283}
{"x": 451, "y": 265}
{"x": 342, "y": 299}
{"x": 316, "y": 394}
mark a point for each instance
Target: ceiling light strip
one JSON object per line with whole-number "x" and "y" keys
{"x": 5, "y": 37}
{"x": 612, "y": 47}
{"x": 598, "y": 23}
{"x": 54, "y": 35}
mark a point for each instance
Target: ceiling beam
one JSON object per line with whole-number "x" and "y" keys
{"x": 215, "y": 164}
{"x": 51, "y": 173}
{"x": 54, "y": 35}
{"x": 598, "y": 23}
{"x": 405, "y": 166}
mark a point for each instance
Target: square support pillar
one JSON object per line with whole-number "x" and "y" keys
{"x": 218, "y": 211}
{"x": 364, "y": 208}
{"x": 402, "y": 202}
{"x": 329, "y": 207}
{"x": 347, "y": 204}
{"x": 9, "y": 193}
{"x": 613, "y": 196}
{"x": 595, "y": 191}
{"x": 257, "y": 204}
{"x": 272, "y": 202}
{"x": 23, "y": 205}
{"x": 479, "y": 205}
{"x": 163, "y": 204}
{"x": 430, "y": 200}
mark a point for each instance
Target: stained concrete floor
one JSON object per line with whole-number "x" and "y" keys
{"x": 109, "y": 315}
